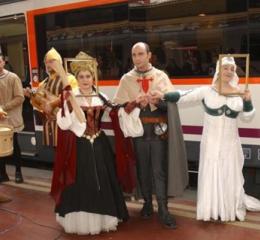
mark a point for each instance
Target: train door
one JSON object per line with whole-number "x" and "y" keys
{"x": 13, "y": 45}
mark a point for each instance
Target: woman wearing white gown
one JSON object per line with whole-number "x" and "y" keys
{"x": 220, "y": 182}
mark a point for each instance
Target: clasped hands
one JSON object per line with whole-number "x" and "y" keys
{"x": 151, "y": 97}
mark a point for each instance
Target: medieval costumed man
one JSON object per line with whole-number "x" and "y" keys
{"x": 84, "y": 185}
{"x": 220, "y": 183}
{"x": 50, "y": 88}
{"x": 158, "y": 159}
{"x": 11, "y": 106}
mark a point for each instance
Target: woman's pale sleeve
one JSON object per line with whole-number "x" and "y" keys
{"x": 184, "y": 96}
{"x": 70, "y": 122}
{"x": 77, "y": 127}
{"x": 64, "y": 122}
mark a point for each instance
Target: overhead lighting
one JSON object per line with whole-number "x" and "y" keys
{"x": 202, "y": 15}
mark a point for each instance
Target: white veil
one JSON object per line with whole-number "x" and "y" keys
{"x": 231, "y": 61}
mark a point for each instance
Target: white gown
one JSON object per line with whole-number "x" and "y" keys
{"x": 220, "y": 181}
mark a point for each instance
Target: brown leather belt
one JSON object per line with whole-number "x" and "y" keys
{"x": 153, "y": 119}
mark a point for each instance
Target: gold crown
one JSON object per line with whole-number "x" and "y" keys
{"x": 83, "y": 61}
{"x": 52, "y": 54}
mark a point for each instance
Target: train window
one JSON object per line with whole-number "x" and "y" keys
{"x": 254, "y": 42}
{"x": 100, "y": 31}
{"x": 254, "y": 3}
{"x": 185, "y": 36}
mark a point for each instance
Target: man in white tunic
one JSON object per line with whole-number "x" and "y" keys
{"x": 11, "y": 102}
{"x": 150, "y": 145}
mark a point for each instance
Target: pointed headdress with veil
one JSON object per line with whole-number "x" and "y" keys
{"x": 226, "y": 61}
{"x": 52, "y": 54}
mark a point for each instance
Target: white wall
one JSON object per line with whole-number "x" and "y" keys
{"x": 22, "y": 7}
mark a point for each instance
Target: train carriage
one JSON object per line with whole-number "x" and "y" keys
{"x": 185, "y": 36}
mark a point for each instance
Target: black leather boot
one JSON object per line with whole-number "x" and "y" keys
{"x": 18, "y": 177}
{"x": 3, "y": 175}
{"x": 147, "y": 210}
{"x": 165, "y": 217}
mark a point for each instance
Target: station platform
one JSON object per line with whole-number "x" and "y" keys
{"x": 30, "y": 216}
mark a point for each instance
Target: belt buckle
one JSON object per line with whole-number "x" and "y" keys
{"x": 160, "y": 128}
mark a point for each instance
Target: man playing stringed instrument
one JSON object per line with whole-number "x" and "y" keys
{"x": 47, "y": 96}
{"x": 153, "y": 162}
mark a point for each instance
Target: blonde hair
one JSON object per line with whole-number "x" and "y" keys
{"x": 52, "y": 54}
